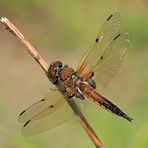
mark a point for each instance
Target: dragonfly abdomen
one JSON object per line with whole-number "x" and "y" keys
{"x": 96, "y": 97}
{"x": 114, "y": 109}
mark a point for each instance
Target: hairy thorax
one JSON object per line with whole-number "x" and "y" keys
{"x": 69, "y": 80}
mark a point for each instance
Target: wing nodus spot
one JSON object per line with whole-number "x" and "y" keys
{"x": 51, "y": 106}
{"x": 97, "y": 40}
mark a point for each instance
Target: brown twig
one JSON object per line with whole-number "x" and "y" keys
{"x": 27, "y": 45}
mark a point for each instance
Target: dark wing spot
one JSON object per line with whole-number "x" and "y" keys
{"x": 109, "y": 17}
{"x": 101, "y": 57}
{"x": 22, "y": 112}
{"x": 27, "y": 123}
{"x": 97, "y": 40}
{"x": 51, "y": 106}
{"x": 117, "y": 36}
{"x": 43, "y": 100}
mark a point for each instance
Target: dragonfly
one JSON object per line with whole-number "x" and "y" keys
{"x": 95, "y": 70}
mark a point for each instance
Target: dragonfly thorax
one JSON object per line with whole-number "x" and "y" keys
{"x": 69, "y": 79}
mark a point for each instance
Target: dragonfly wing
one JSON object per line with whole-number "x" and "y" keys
{"x": 60, "y": 116}
{"x": 109, "y": 30}
{"x": 111, "y": 59}
{"x": 50, "y": 103}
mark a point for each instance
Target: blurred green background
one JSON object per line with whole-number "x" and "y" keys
{"x": 63, "y": 30}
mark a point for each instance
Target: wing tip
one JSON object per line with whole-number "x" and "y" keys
{"x": 124, "y": 35}
{"x": 119, "y": 14}
{"x": 109, "y": 17}
{"x": 26, "y": 123}
{"x": 22, "y": 112}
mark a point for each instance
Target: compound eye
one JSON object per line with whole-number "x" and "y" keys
{"x": 60, "y": 65}
{"x": 51, "y": 68}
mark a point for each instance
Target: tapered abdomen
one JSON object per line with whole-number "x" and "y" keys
{"x": 96, "y": 97}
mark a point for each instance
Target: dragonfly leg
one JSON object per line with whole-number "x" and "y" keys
{"x": 91, "y": 82}
{"x": 78, "y": 94}
{"x": 53, "y": 89}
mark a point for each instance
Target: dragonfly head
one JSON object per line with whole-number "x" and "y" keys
{"x": 53, "y": 71}
{"x": 55, "y": 67}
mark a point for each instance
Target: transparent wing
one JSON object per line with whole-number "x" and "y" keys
{"x": 110, "y": 61}
{"x": 58, "y": 117}
{"x": 109, "y": 31}
{"x": 49, "y": 104}
{"x": 51, "y": 111}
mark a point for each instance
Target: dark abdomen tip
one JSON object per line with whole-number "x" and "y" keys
{"x": 116, "y": 110}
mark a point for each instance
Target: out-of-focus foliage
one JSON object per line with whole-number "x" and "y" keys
{"x": 63, "y": 30}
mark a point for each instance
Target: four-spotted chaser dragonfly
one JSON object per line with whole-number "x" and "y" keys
{"x": 95, "y": 70}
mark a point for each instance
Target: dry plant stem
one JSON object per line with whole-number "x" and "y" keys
{"x": 27, "y": 45}
{"x": 12, "y": 29}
